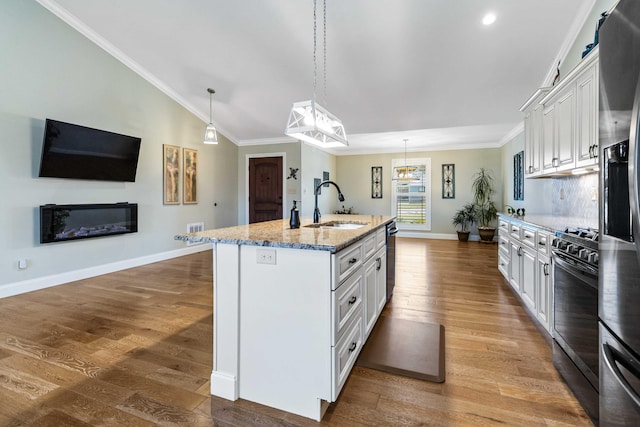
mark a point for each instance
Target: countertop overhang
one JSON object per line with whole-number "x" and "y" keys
{"x": 278, "y": 234}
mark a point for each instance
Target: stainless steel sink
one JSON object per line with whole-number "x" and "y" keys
{"x": 338, "y": 225}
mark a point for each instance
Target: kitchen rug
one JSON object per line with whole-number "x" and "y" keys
{"x": 405, "y": 347}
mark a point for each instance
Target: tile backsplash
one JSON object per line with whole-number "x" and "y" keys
{"x": 577, "y": 197}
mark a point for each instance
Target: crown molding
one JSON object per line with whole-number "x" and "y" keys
{"x": 75, "y": 23}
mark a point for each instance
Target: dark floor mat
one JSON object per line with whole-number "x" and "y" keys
{"x": 405, "y": 347}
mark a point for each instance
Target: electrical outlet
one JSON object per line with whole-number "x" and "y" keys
{"x": 266, "y": 256}
{"x": 22, "y": 264}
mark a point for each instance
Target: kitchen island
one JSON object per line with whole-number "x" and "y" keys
{"x": 293, "y": 307}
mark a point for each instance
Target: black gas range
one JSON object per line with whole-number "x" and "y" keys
{"x": 578, "y": 245}
{"x": 575, "y": 313}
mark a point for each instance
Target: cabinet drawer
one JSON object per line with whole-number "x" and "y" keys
{"x": 347, "y": 260}
{"x": 503, "y": 244}
{"x": 503, "y": 226}
{"x": 381, "y": 237}
{"x": 514, "y": 231}
{"x": 347, "y": 303}
{"x": 528, "y": 236}
{"x": 369, "y": 245}
{"x": 503, "y": 264}
{"x": 345, "y": 354}
{"x": 543, "y": 243}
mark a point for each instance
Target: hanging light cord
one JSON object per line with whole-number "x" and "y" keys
{"x": 210, "y": 106}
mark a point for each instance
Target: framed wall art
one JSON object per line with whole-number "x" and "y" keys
{"x": 449, "y": 181}
{"x": 190, "y": 176}
{"x": 518, "y": 176}
{"x": 376, "y": 182}
{"x": 171, "y": 175}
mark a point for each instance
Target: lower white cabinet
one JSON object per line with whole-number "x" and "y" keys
{"x": 523, "y": 259}
{"x": 545, "y": 288}
{"x": 375, "y": 288}
{"x": 528, "y": 276}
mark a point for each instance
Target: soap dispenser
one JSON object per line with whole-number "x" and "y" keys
{"x": 294, "y": 220}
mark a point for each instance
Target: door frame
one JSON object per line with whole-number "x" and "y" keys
{"x": 246, "y": 181}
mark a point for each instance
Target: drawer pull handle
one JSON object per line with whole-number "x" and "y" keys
{"x": 527, "y": 236}
{"x": 352, "y": 347}
{"x": 542, "y": 244}
{"x": 545, "y": 268}
{"x": 379, "y": 264}
{"x": 353, "y": 300}
{"x": 353, "y": 260}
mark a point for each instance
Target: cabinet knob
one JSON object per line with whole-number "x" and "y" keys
{"x": 353, "y": 260}
{"x": 352, "y": 347}
{"x": 353, "y": 300}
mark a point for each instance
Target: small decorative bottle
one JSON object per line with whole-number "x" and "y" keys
{"x": 294, "y": 220}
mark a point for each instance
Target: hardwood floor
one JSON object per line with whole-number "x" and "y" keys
{"x": 133, "y": 348}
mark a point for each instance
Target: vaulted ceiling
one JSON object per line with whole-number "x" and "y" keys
{"x": 425, "y": 70}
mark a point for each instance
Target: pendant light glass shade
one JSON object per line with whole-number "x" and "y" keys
{"x": 210, "y": 134}
{"x": 310, "y": 122}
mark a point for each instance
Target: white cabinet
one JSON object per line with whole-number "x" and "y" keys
{"x": 558, "y": 147}
{"x": 587, "y": 117}
{"x": 528, "y": 276}
{"x": 523, "y": 258}
{"x": 545, "y": 290}
{"x": 561, "y": 123}
{"x": 533, "y": 133}
{"x": 375, "y": 286}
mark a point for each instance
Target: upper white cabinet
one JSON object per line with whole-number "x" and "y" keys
{"x": 561, "y": 124}
{"x": 533, "y": 133}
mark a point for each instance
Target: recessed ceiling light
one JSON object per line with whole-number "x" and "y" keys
{"x": 489, "y": 19}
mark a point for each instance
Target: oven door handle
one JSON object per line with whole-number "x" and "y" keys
{"x": 613, "y": 355}
{"x": 561, "y": 260}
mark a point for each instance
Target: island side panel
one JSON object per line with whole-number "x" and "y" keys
{"x": 226, "y": 295}
{"x": 285, "y": 329}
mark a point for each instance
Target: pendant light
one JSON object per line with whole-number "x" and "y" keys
{"x": 308, "y": 120}
{"x": 210, "y": 134}
{"x": 405, "y": 173}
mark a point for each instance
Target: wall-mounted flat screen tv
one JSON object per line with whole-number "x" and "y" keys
{"x": 79, "y": 152}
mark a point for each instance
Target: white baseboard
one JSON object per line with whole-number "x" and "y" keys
{"x": 441, "y": 236}
{"x": 24, "y": 286}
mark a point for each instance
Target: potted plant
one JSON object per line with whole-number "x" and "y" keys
{"x": 464, "y": 218}
{"x": 483, "y": 188}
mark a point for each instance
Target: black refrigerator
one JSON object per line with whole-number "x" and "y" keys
{"x": 619, "y": 246}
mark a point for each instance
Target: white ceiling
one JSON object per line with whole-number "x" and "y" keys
{"x": 425, "y": 70}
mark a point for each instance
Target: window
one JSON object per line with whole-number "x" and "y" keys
{"x": 411, "y": 199}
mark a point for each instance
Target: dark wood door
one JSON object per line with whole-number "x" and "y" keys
{"x": 265, "y": 189}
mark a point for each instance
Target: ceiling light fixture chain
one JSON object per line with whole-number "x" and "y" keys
{"x": 324, "y": 65}
{"x": 315, "y": 62}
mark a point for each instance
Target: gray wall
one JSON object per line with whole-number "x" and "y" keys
{"x": 354, "y": 173}
{"x": 48, "y": 70}
{"x": 585, "y": 36}
{"x": 537, "y": 191}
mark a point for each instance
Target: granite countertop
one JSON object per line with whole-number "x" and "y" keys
{"x": 550, "y": 222}
{"x": 278, "y": 234}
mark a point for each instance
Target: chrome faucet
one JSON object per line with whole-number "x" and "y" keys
{"x": 316, "y": 211}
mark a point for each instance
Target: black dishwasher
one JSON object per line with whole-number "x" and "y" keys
{"x": 392, "y": 230}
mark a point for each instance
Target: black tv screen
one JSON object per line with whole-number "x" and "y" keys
{"x": 79, "y": 152}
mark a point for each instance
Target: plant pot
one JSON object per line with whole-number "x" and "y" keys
{"x": 463, "y": 236}
{"x": 486, "y": 234}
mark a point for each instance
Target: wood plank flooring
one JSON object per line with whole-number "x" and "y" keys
{"x": 133, "y": 348}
